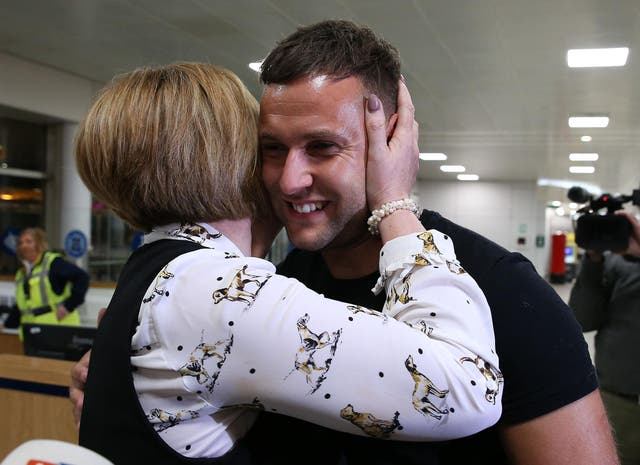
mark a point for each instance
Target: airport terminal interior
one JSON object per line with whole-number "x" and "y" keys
{"x": 511, "y": 117}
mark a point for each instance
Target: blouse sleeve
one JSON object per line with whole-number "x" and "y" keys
{"x": 424, "y": 369}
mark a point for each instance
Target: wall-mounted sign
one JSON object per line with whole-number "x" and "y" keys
{"x": 75, "y": 244}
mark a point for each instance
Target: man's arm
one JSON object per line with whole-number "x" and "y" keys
{"x": 578, "y": 433}
{"x": 590, "y": 295}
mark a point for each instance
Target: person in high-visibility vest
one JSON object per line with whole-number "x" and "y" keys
{"x": 48, "y": 287}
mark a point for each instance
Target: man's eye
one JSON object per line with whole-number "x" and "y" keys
{"x": 321, "y": 147}
{"x": 272, "y": 150}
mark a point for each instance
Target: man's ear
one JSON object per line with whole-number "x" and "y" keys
{"x": 391, "y": 125}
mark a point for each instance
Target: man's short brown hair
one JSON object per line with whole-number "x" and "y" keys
{"x": 339, "y": 49}
{"x": 173, "y": 144}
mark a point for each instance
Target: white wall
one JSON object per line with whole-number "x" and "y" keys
{"x": 39, "y": 89}
{"x": 500, "y": 211}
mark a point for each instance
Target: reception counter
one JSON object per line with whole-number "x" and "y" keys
{"x": 34, "y": 401}
{"x": 10, "y": 342}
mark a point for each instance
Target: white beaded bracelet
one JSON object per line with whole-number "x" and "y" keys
{"x": 387, "y": 209}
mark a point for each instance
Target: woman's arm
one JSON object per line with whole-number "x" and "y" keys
{"x": 425, "y": 369}
{"x": 63, "y": 272}
{"x": 257, "y": 339}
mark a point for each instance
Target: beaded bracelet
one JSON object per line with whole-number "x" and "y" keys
{"x": 388, "y": 208}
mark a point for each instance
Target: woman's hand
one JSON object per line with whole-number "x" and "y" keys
{"x": 61, "y": 312}
{"x": 393, "y": 153}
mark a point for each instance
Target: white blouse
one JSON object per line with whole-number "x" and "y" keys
{"x": 221, "y": 337}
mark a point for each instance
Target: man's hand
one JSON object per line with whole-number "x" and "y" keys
{"x": 634, "y": 239}
{"x": 76, "y": 390}
{"x": 79, "y": 373}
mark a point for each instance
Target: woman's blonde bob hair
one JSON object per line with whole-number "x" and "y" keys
{"x": 173, "y": 144}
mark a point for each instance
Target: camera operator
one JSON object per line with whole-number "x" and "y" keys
{"x": 606, "y": 298}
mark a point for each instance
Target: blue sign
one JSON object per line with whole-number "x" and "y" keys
{"x": 9, "y": 240}
{"x": 75, "y": 244}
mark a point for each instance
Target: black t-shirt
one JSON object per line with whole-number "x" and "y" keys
{"x": 543, "y": 357}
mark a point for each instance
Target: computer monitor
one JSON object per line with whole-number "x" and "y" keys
{"x": 57, "y": 341}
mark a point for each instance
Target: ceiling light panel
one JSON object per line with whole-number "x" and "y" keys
{"x": 256, "y": 65}
{"x": 588, "y": 121}
{"x": 583, "y": 156}
{"x": 432, "y": 156}
{"x": 582, "y": 169}
{"x": 452, "y": 168}
{"x": 468, "y": 177}
{"x": 597, "y": 57}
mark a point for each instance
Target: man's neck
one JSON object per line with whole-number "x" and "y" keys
{"x": 353, "y": 261}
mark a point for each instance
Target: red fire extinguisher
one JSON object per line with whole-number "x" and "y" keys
{"x": 558, "y": 270}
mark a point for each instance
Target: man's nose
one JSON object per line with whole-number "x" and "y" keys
{"x": 296, "y": 173}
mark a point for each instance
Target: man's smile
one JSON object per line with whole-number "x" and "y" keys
{"x": 307, "y": 207}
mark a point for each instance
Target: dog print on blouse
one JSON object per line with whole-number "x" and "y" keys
{"x": 372, "y": 426}
{"x": 315, "y": 354}
{"x": 244, "y": 287}
{"x": 206, "y": 360}
{"x": 493, "y": 377}
{"x": 158, "y": 285}
{"x": 422, "y": 390}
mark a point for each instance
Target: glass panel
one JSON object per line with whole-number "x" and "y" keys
{"x": 112, "y": 241}
{"x": 21, "y": 206}
{"x": 22, "y": 145}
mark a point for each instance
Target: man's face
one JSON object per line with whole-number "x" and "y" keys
{"x": 313, "y": 145}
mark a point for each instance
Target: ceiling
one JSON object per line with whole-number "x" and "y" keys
{"x": 488, "y": 77}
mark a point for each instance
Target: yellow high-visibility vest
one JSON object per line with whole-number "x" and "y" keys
{"x": 34, "y": 292}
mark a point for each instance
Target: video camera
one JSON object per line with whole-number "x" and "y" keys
{"x": 598, "y": 231}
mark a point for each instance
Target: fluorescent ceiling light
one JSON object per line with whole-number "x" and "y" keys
{"x": 255, "y": 66}
{"x": 432, "y": 156}
{"x": 452, "y": 168}
{"x": 588, "y": 121}
{"x": 597, "y": 57}
{"x": 583, "y": 156}
{"x": 586, "y": 138}
{"x": 468, "y": 177}
{"x": 568, "y": 184}
{"x": 582, "y": 169}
